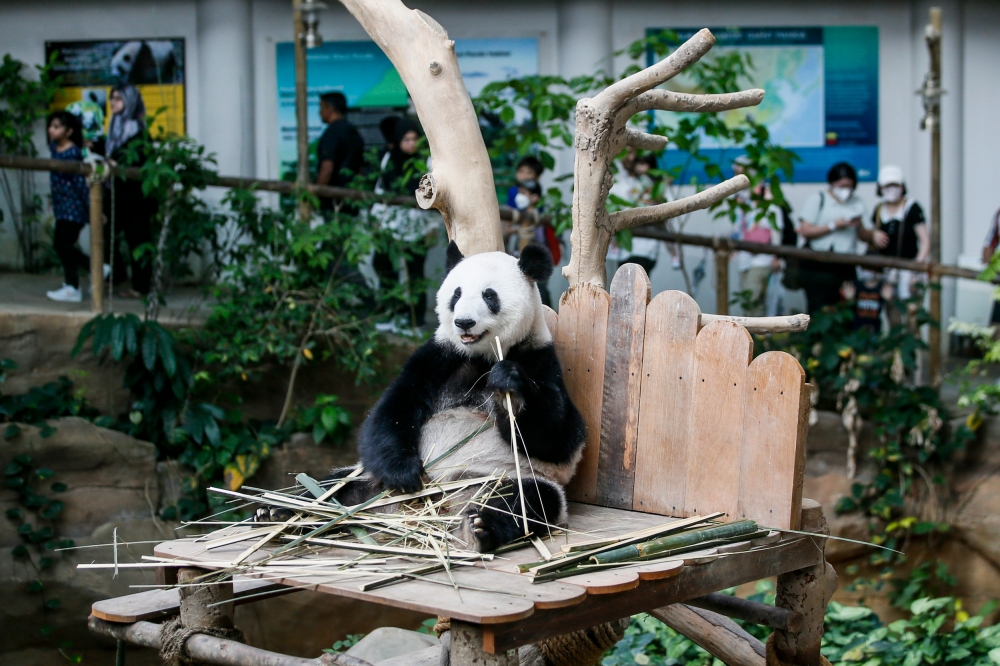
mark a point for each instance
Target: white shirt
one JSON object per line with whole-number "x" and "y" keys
{"x": 822, "y": 209}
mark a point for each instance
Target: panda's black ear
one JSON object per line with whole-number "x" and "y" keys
{"x": 453, "y": 256}
{"x": 536, "y": 262}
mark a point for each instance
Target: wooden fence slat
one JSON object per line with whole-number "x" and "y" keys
{"x": 581, "y": 342}
{"x": 551, "y": 320}
{"x": 667, "y": 393}
{"x": 771, "y": 447}
{"x": 630, "y": 291}
{"x": 722, "y": 354}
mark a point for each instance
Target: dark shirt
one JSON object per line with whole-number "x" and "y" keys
{"x": 70, "y": 195}
{"x": 868, "y": 306}
{"x": 902, "y": 236}
{"x": 341, "y": 144}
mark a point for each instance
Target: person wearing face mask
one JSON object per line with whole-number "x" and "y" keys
{"x": 899, "y": 229}
{"x": 830, "y": 221}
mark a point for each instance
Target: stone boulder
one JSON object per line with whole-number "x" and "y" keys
{"x": 109, "y": 475}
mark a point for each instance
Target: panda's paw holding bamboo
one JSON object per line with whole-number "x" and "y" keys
{"x": 505, "y": 377}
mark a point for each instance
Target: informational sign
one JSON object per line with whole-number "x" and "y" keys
{"x": 89, "y": 69}
{"x": 821, "y": 93}
{"x": 368, "y": 80}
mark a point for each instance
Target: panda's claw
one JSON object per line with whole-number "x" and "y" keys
{"x": 484, "y": 538}
{"x": 272, "y": 514}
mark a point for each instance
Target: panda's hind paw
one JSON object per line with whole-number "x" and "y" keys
{"x": 483, "y": 539}
{"x": 272, "y": 514}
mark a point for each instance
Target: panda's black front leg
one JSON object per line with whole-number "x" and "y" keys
{"x": 498, "y": 520}
{"x": 507, "y": 377}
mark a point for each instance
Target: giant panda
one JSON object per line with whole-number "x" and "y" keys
{"x": 454, "y": 383}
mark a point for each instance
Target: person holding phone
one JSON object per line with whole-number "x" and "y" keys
{"x": 831, "y": 221}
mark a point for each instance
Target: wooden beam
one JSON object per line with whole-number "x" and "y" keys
{"x": 200, "y": 647}
{"x": 717, "y": 634}
{"x": 749, "y": 611}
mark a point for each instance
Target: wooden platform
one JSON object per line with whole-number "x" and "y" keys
{"x": 513, "y": 610}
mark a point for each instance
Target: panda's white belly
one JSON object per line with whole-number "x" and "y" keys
{"x": 485, "y": 454}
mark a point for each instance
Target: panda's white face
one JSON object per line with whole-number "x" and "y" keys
{"x": 487, "y": 296}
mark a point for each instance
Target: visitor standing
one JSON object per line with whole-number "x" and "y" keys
{"x": 831, "y": 221}
{"x": 341, "y": 150}
{"x": 990, "y": 246}
{"x": 412, "y": 226}
{"x": 528, "y": 168}
{"x": 128, "y": 210}
{"x": 899, "y": 229}
{"x": 70, "y": 203}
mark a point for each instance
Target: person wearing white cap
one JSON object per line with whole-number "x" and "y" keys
{"x": 900, "y": 230}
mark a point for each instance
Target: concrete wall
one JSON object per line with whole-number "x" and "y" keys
{"x": 232, "y": 105}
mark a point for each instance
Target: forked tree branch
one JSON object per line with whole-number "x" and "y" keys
{"x": 602, "y": 133}
{"x": 461, "y": 184}
{"x": 633, "y": 217}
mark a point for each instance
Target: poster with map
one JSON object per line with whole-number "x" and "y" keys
{"x": 821, "y": 93}
{"x": 372, "y": 86}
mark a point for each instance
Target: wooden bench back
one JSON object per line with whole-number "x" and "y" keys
{"x": 680, "y": 422}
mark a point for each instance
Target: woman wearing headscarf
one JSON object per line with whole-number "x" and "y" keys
{"x": 131, "y": 209}
{"x": 411, "y": 225}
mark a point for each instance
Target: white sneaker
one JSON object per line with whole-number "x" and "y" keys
{"x": 107, "y": 271}
{"x": 66, "y": 294}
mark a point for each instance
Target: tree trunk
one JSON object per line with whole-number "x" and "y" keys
{"x": 460, "y": 184}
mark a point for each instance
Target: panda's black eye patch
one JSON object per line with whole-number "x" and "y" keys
{"x": 492, "y": 300}
{"x": 454, "y": 298}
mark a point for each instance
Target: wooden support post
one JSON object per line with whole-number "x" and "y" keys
{"x": 721, "y": 281}
{"x": 807, "y": 592}
{"x": 718, "y": 635}
{"x": 301, "y": 108}
{"x": 931, "y": 93}
{"x": 467, "y": 648}
{"x": 195, "y": 600}
{"x": 97, "y": 246}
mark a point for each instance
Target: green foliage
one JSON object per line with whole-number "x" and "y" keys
{"x": 859, "y": 369}
{"x": 977, "y": 393}
{"x": 937, "y": 632}
{"x": 325, "y": 420}
{"x": 36, "y": 516}
{"x": 23, "y": 102}
{"x": 53, "y": 400}
{"x": 344, "y": 644}
{"x": 172, "y": 169}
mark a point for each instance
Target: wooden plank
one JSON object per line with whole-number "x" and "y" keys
{"x": 551, "y": 320}
{"x": 440, "y": 598}
{"x": 722, "y": 353}
{"x": 581, "y": 343}
{"x": 159, "y": 603}
{"x": 610, "y": 581}
{"x": 630, "y": 291}
{"x": 805, "y": 406}
{"x": 692, "y": 582}
{"x": 770, "y": 452}
{"x": 659, "y": 570}
{"x": 665, "y": 413}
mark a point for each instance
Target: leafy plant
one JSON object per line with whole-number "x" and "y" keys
{"x": 23, "y": 101}
{"x": 871, "y": 374}
{"x": 53, "y": 400}
{"x": 325, "y": 419}
{"x": 36, "y": 517}
{"x": 344, "y": 644}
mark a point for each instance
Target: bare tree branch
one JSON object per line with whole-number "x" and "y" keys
{"x": 633, "y": 217}
{"x": 461, "y": 184}
{"x": 668, "y": 100}
{"x": 602, "y": 133}
{"x": 686, "y": 55}
{"x": 643, "y": 141}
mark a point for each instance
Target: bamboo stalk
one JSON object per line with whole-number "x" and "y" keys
{"x": 513, "y": 445}
{"x": 675, "y": 542}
